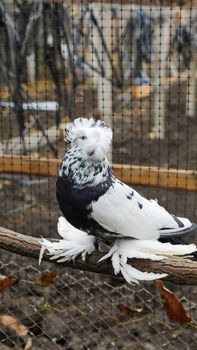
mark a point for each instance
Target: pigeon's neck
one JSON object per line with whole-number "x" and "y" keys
{"x": 82, "y": 172}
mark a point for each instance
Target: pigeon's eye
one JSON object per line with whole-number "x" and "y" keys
{"x": 83, "y": 137}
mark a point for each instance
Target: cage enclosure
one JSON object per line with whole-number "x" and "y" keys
{"x": 133, "y": 65}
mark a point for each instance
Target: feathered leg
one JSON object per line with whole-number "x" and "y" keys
{"x": 74, "y": 242}
{"x": 124, "y": 249}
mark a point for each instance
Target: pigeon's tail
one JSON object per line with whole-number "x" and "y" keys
{"x": 143, "y": 249}
{"x": 74, "y": 242}
{"x": 178, "y": 237}
{"x": 183, "y": 228}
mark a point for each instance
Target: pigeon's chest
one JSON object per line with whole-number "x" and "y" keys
{"x": 79, "y": 197}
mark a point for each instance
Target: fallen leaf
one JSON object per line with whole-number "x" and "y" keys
{"x": 14, "y": 324}
{"x": 127, "y": 311}
{"x": 46, "y": 279}
{"x": 6, "y": 282}
{"x": 172, "y": 305}
{"x": 20, "y": 329}
{"x": 28, "y": 344}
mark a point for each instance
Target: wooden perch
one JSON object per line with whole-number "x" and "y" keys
{"x": 179, "y": 270}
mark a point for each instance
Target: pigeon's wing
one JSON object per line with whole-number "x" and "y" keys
{"x": 124, "y": 211}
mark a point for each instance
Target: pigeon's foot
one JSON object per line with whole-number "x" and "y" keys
{"x": 124, "y": 249}
{"x": 74, "y": 243}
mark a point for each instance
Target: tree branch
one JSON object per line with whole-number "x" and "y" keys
{"x": 179, "y": 270}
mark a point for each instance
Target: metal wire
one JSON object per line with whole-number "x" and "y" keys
{"x": 61, "y": 60}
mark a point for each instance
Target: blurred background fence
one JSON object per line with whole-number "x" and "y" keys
{"x": 132, "y": 64}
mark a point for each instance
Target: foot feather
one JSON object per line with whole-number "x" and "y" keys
{"x": 123, "y": 249}
{"x": 74, "y": 243}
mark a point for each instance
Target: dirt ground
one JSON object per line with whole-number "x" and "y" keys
{"x": 79, "y": 310}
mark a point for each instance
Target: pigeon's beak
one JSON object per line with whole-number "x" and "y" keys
{"x": 90, "y": 153}
{"x": 96, "y": 153}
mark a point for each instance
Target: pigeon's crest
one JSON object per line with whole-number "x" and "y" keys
{"x": 83, "y": 124}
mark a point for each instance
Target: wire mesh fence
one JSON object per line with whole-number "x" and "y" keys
{"x": 133, "y": 65}
{"x": 82, "y": 311}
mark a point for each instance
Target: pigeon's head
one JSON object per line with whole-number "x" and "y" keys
{"x": 90, "y": 137}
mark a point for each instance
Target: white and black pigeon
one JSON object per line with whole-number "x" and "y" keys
{"x": 94, "y": 201}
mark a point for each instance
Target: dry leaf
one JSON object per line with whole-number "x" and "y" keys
{"x": 14, "y": 324}
{"x": 46, "y": 279}
{"x": 172, "y": 305}
{"x": 28, "y": 344}
{"x": 6, "y": 282}
{"x": 127, "y": 311}
{"x": 20, "y": 329}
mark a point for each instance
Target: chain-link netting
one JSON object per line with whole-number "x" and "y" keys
{"x": 133, "y": 65}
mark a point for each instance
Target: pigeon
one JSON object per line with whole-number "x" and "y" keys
{"x": 97, "y": 204}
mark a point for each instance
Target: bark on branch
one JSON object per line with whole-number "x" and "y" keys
{"x": 179, "y": 270}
